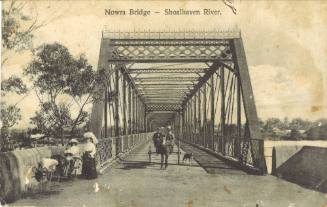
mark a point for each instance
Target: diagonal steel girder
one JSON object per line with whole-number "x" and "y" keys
{"x": 130, "y": 80}
{"x": 203, "y": 80}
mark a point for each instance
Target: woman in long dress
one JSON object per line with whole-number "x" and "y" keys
{"x": 88, "y": 167}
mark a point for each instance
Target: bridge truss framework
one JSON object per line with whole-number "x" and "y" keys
{"x": 198, "y": 83}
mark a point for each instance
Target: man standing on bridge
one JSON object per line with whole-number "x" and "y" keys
{"x": 162, "y": 148}
{"x": 156, "y": 139}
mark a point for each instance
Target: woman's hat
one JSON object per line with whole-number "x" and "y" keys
{"x": 73, "y": 141}
{"x": 90, "y": 135}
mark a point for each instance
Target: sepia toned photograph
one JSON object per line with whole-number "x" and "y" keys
{"x": 216, "y": 103}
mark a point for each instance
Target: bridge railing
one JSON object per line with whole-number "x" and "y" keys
{"x": 246, "y": 152}
{"x": 109, "y": 148}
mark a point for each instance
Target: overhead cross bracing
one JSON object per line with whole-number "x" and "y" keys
{"x": 198, "y": 80}
{"x": 159, "y": 83}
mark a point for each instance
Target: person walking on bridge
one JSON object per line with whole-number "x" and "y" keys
{"x": 163, "y": 151}
{"x": 156, "y": 139}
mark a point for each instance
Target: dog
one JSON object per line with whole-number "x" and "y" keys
{"x": 188, "y": 156}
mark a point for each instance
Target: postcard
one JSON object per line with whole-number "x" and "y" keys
{"x": 142, "y": 103}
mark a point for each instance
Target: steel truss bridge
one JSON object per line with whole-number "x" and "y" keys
{"x": 197, "y": 82}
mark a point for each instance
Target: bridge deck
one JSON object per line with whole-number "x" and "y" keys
{"x": 133, "y": 182}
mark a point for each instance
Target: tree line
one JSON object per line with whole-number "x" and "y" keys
{"x": 295, "y": 129}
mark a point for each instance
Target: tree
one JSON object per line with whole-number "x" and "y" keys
{"x": 285, "y": 123}
{"x": 18, "y": 26}
{"x": 9, "y": 117}
{"x": 295, "y": 134}
{"x": 56, "y": 74}
{"x": 300, "y": 124}
{"x": 13, "y": 84}
{"x": 272, "y": 123}
{"x": 318, "y": 130}
{"x": 10, "y": 113}
{"x": 17, "y": 34}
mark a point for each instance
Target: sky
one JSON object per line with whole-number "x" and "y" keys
{"x": 284, "y": 41}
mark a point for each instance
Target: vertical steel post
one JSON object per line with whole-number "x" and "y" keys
{"x": 191, "y": 120}
{"x": 212, "y": 113}
{"x": 124, "y": 107}
{"x": 188, "y": 121}
{"x": 145, "y": 120}
{"x": 222, "y": 79}
{"x": 179, "y": 136}
{"x": 116, "y": 111}
{"x": 117, "y": 103}
{"x": 106, "y": 112}
{"x": 130, "y": 110}
{"x": 239, "y": 119}
{"x": 138, "y": 114}
{"x": 184, "y": 120}
{"x": 141, "y": 117}
{"x": 199, "y": 119}
{"x": 134, "y": 112}
{"x": 194, "y": 121}
{"x": 205, "y": 115}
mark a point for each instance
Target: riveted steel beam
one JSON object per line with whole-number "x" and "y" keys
{"x": 163, "y": 97}
{"x": 180, "y": 60}
{"x": 164, "y": 84}
{"x": 164, "y": 102}
{"x": 155, "y": 93}
{"x": 170, "y": 42}
{"x": 168, "y": 70}
{"x": 145, "y": 90}
{"x": 165, "y": 79}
